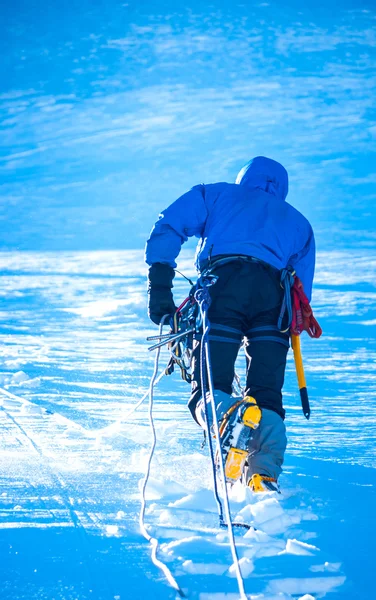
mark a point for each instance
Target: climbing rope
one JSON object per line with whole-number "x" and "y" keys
{"x": 153, "y": 541}
{"x": 203, "y": 298}
{"x": 204, "y": 387}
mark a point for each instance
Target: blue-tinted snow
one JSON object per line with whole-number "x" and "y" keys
{"x": 75, "y": 360}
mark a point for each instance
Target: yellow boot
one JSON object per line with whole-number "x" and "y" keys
{"x": 236, "y": 431}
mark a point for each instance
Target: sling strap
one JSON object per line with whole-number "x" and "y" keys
{"x": 296, "y": 306}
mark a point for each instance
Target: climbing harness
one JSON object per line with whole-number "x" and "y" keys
{"x": 287, "y": 282}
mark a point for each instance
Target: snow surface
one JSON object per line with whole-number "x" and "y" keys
{"x": 75, "y": 361}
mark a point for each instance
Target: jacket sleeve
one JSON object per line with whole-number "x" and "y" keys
{"x": 184, "y": 218}
{"x": 304, "y": 264}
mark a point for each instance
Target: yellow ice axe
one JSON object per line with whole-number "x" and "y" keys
{"x": 295, "y": 342}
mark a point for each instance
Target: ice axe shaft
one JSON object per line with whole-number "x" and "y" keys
{"x": 295, "y": 342}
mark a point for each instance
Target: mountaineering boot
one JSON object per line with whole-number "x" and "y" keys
{"x": 236, "y": 430}
{"x": 266, "y": 448}
{"x": 223, "y": 403}
{"x": 262, "y": 483}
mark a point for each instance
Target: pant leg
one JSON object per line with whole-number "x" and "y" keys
{"x": 266, "y": 372}
{"x": 267, "y": 346}
{"x": 265, "y": 378}
{"x": 267, "y": 446}
{"x": 223, "y": 356}
{"x": 267, "y": 349}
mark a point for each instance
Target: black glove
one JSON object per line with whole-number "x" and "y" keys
{"x": 161, "y": 301}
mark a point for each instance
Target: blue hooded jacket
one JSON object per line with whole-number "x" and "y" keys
{"x": 249, "y": 217}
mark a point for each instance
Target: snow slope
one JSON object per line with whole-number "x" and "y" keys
{"x": 74, "y": 361}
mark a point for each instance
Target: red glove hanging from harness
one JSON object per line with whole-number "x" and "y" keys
{"x": 296, "y": 306}
{"x": 302, "y": 314}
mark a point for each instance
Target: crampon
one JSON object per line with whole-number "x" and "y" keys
{"x": 262, "y": 483}
{"x": 236, "y": 429}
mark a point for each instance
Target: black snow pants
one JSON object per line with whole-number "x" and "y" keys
{"x": 246, "y": 302}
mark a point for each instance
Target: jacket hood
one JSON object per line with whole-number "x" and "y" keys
{"x": 265, "y": 174}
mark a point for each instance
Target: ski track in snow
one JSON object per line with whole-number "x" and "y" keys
{"x": 75, "y": 361}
